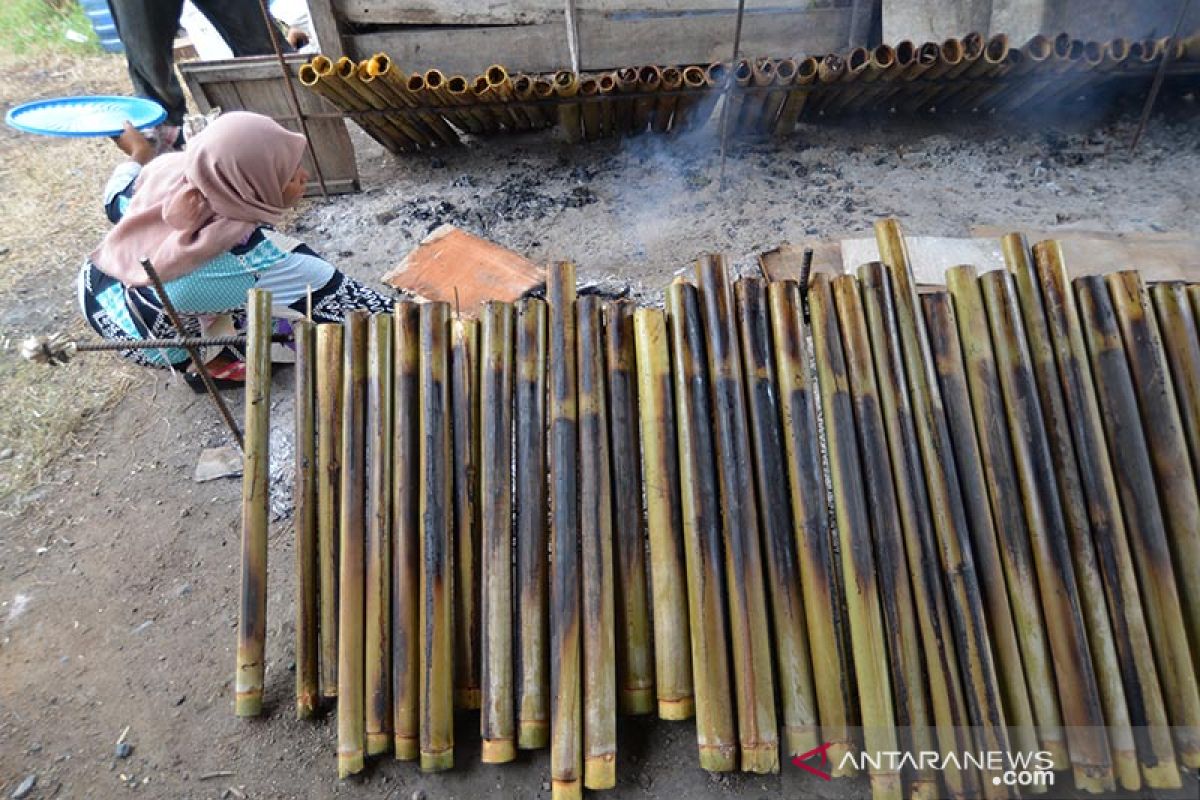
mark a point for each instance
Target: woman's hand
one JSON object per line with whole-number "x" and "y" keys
{"x": 134, "y": 144}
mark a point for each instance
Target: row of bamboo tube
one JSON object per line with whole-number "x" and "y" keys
{"x": 567, "y": 510}
{"x": 764, "y": 96}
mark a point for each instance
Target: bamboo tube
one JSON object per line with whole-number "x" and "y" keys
{"x": 944, "y": 336}
{"x": 495, "y": 492}
{"x": 406, "y": 534}
{"x": 500, "y": 85}
{"x": 660, "y": 480}
{"x": 737, "y": 97}
{"x": 329, "y": 443}
{"x": 1078, "y": 692}
{"x": 649, "y": 80}
{"x": 351, "y": 716}
{"x": 716, "y": 733}
{"x": 998, "y": 61}
{"x": 806, "y": 73}
{"x": 458, "y": 92}
{"x": 950, "y": 57}
{"x": 879, "y": 66}
{"x": 252, "y": 611}
{"x": 623, "y": 112}
{"x": 606, "y": 86}
{"x": 523, "y": 92}
{"x": 390, "y": 81}
{"x": 1021, "y": 600}
{"x": 566, "y": 84}
{"x": 685, "y": 106}
{"x": 893, "y": 592}
{"x": 797, "y": 696}
{"x": 326, "y": 85}
{"x": 1136, "y": 656}
{"x": 346, "y": 71}
{"x": 716, "y": 75}
{"x": 1182, "y": 343}
{"x": 634, "y": 651}
{"x": 417, "y": 88}
{"x": 464, "y": 409}
{"x": 384, "y": 97}
{"x": 785, "y": 73}
{"x": 762, "y": 76}
{"x": 304, "y": 494}
{"x": 1063, "y": 57}
{"x": 858, "y": 564}
{"x": 926, "y": 59}
{"x": 937, "y": 640}
{"x": 1163, "y": 426}
{"x": 664, "y": 106}
{"x": 486, "y": 104}
{"x": 436, "y": 618}
{"x": 532, "y": 656}
{"x": 754, "y": 685}
{"x": 593, "y": 116}
{"x": 1134, "y": 475}
{"x": 596, "y": 555}
{"x": 543, "y": 89}
{"x": 945, "y": 497}
{"x": 434, "y": 86}
{"x": 566, "y": 688}
{"x": 857, "y": 66}
{"x": 830, "y": 69}
{"x": 378, "y": 553}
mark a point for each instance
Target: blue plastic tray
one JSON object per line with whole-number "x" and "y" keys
{"x": 85, "y": 116}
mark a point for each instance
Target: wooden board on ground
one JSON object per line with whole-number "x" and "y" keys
{"x": 786, "y": 262}
{"x": 465, "y": 271}
{"x": 1158, "y": 256}
{"x": 930, "y": 256}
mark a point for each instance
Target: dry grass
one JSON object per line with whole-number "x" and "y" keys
{"x": 52, "y": 218}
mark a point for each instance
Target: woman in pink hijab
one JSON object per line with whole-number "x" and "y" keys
{"x": 204, "y": 219}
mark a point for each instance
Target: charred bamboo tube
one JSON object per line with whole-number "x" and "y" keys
{"x": 893, "y": 591}
{"x": 945, "y": 496}
{"x": 1071, "y": 72}
{"x": 716, "y": 733}
{"x": 346, "y": 71}
{"x": 1147, "y": 713}
{"x": 998, "y": 61}
{"x": 949, "y": 360}
{"x": 500, "y": 85}
{"x": 256, "y": 487}
{"x": 789, "y": 114}
{"x": 406, "y": 534}
{"x": 329, "y": 443}
{"x": 566, "y": 686}
{"x": 351, "y": 716}
{"x": 593, "y": 115}
{"x": 634, "y": 652}
{"x": 378, "y": 553}
{"x": 623, "y": 113}
{"x": 950, "y": 57}
{"x": 1134, "y": 475}
{"x": 797, "y": 695}
{"x": 686, "y": 104}
{"x": 1177, "y": 322}
{"x": 762, "y": 77}
{"x": 926, "y": 58}
{"x": 879, "y": 66}
{"x": 305, "y": 523}
{"x": 715, "y": 77}
{"x": 1077, "y": 689}
{"x": 497, "y": 720}
{"x": 566, "y": 85}
{"x": 523, "y": 92}
{"x": 607, "y": 86}
{"x": 737, "y": 96}
{"x": 858, "y": 65}
{"x": 382, "y": 96}
{"x": 660, "y": 480}
{"x": 543, "y": 89}
{"x": 854, "y": 527}
{"x": 785, "y": 73}
{"x": 436, "y": 618}
{"x": 830, "y": 70}
{"x": 1164, "y": 430}
{"x": 486, "y": 105}
{"x": 664, "y": 106}
{"x": 1021, "y": 600}
{"x": 473, "y": 117}
{"x": 649, "y": 80}
{"x": 532, "y": 657}
{"x": 327, "y": 86}
{"x": 754, "y": 685}
{"x": 596, "y": 555}
{"x": 938, "y": 643}
{"x": 464, "y": 405}
{"x": 1061, "y": 57}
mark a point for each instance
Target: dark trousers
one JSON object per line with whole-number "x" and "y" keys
{"x": 147, "y": 29}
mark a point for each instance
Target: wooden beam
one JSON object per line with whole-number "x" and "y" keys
{"x": 325, "y": 24}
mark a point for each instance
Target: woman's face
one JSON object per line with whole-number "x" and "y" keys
{"x": 293, "y": 190}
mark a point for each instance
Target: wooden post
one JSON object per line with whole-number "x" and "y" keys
{"x": 378, "y": 620}
{"x": 305, "y": 522}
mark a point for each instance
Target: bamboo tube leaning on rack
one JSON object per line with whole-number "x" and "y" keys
{"x": 327, "y": 86}
{"x": 634, "y": 651}
{"x": 626, "y": 83}
{"x": 252, "y": 609}
{"x": 378, "y": 552}
{"x": 1020, "y": 600}
{"x": 1074, "y": 506}
{"x": 830, "y": 70}
{"x": 950, "y": 713}
{"x": 304, "y": 522}
{"x": 441, "y": 90}
{"x": 797, "y": 98}
{"x": 592, "y": 114}
{"x": 596, "y": 555}
{"x": 436, "y": 663}
{"x": 1163, "y": 426}
{"x": 1031, "y": 57}
{"x": 329, "y": 445}
{"x": 464, "y": 425}
{"x": 606, "y": 86}
{"x": 754, "y": 685}
{"x": 1144, "y": 519}
{"x": 649, "y": 80}
{"x": 532, "y": 656}
{"x": 660, "y": 480}
{"x": 566, "y": 686}
{"x": 998, "y": 61}
{"x": 1134, "y": 650}
{"x": 687, "y": 104}
{"x": 865, "y": 619}
{"x": 389, "y": 80}
{"x": 785, "y": 73}
{"x": 570, "y": 116}
{"x": 716, "y": 76}
{"x": 857, "y": 65}
{"x": 949, "y": 59}
{"x": 716, "y": 732}
{"x": 498, "y": 716}
{"x": 878, "y": 67}
{"x": 737, "y": 96}
{"x": 665, "y": 105}
{"x": 500, "y": 86}
{"x": 351, "y": 716}
{"x": 523, "y": 93}
{"x": 762, "y": 75}
{"x": 1077, "y": 687}
{"x": 406, "y": 534}
{"x": 797, "y": 696}
{"x": 417, "y": 87}
{"x": 346, "y": 72}
{"x": 925, "y": 60}
{"x": 383, "y": 96}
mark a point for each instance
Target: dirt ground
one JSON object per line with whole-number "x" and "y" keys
{"x": 118, "y": 574}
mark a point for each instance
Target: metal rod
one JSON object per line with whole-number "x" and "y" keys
{"x": 1159, "y": 75}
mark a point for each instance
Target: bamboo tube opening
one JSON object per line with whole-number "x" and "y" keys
{"x": 831, "y": 68}
{"x": 564, "y": 78}
{"x": 1038, "y": 49}
{"x": 649, "y": 78}
{"x": 322, "y": 65}
{"x": 308, "y": 75}
{"x": 1062, "y": 45}
{"x": 883, "y": 56}
{"x": 457, "y": 85}
{"x": 522, "y": 84}
{"x": 693, "y": 78}
{"x": 496, "y": 75}
{"x": 997, "y": 49}
{"x": 859, "y": 58}
{"x": 1150, "y": 51}
{"x": 379, "y": 64}
{"x": 434, "y": 79}
{"x": 345, "y": 68}
{"x": 589, "y": 87}
{"x": 543, "y": 89}
{"x": 1118, "y": 50}
{"x": 716, "y": 75}
{"x": 951, "y": 51}
{"x": 608, "y": 83}
{"x": 928, "y": 53}
{"x": 415, "y": 83}
{"x": 742, "y": 72}
{"x": 1093, "y": 53}
{"x": 480, "y": 85}
{"x": 972, "y": 45}
{"x": 1076, "y": 50}
{"x": 785, "y": 71}
{"x": 905, "y": 52}
{"x": 807, "y": 70}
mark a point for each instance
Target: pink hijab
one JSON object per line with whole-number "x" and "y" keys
{"x": 190, "y": 207}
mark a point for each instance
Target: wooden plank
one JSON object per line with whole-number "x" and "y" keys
{"x": 609, "y": 42}
{"x": 933, "y": 20}
{"x": 325, "y": 25}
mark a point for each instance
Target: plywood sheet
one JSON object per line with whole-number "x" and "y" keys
{"x": 786, "y": 262}
{"x": 1158, "y": 256}
{"x": 464, "y": 270}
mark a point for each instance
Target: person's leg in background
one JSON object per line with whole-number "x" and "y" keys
{"x": 147, "y": 29}
{"x": 241, "y": 25}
